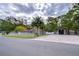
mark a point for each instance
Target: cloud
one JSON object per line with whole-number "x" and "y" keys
{"x": 33, "y": 9}
{"x": 25, "y": 9}
{"x": 57, "y": 9}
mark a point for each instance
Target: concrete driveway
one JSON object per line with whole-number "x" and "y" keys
{"x": 36, "y": 47}
{"x": 69, "y": 39}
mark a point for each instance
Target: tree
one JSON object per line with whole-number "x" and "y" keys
{"x": 76, "y": 18}
{"x": 66, "y": 22}
{"x": 7, "y": 27}
{"x": 29, "y": 27}
{"x": 1, "y": 20}
{"x": 42, "y": 27}
{"x": 38, "y": 24}
{"x": 52, "y": 24}
{"x": 75, "y": 23}
{"x": 11, "y": 19}
{"x": 20, "y": 21}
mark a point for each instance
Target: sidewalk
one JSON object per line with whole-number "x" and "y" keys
{"x": 70, "y": 39}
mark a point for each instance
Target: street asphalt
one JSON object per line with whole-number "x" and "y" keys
{"x": 31, "y": 47}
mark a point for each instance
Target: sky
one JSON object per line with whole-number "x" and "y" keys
{"x": 33, "y": 9}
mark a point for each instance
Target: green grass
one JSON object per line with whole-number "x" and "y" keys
{"x": 23, "y": 36}
{"x": 20, "y": 36}
{"x": 2, "y": 44}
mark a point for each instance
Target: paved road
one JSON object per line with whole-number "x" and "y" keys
{"x": 22, "y": 47}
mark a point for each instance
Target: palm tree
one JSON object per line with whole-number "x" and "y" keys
{"x": 38, "y": 24}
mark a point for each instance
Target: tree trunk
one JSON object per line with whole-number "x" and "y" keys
{"x": 37, "y": 34}
{"x": 42, "y": 31}
{"x": 75, "y": 31}
{"x": 68, "y": 32}
{"x": 65, "y": 31}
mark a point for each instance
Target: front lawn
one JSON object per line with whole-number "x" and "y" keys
{"x": 23, "y": 36}
{"x": 20, "y": 36}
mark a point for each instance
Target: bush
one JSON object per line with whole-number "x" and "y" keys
{"x": 20, "y": 28}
